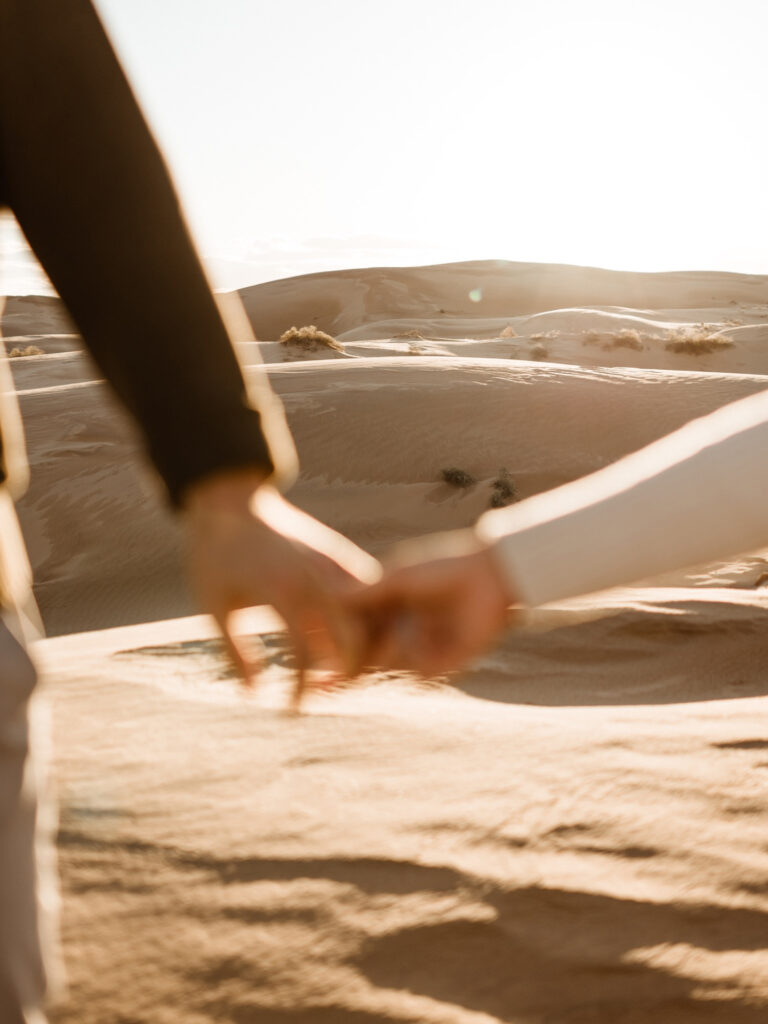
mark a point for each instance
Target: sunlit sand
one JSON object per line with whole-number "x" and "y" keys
{"x": 572, "y": 830}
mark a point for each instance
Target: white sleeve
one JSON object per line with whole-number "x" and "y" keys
{"x": 698, "y": 494}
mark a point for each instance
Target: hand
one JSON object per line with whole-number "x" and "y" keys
{"x": 432, "y": 616}
{"x": 247, "y": 546}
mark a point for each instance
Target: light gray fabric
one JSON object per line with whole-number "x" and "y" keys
{"x": 698, "y": 494}
{"x": 15, "y": 573}
{"x": 14, "y": 469}
{"x": 25, "y": 883}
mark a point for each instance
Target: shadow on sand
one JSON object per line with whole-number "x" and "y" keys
{"x": 663, "y": 652}
{"x": 533, "y": 954}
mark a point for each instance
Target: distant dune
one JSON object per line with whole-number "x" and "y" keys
{"x": 341, "y": 300}
{"x": 338, "y": 301}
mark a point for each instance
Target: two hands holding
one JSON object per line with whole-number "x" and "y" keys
{"x": 442, "y": 601}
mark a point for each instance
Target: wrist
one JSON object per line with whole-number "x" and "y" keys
{"x": 494, "y": 569}
{"x": 230, "y": 491}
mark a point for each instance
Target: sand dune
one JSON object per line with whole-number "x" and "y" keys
{"x": 91, "y": 519}
{"x": 571, "y": 831}
{"x": 340, "y": 300}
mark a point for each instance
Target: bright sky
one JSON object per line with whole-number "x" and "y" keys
{"x": 310, "y": 134}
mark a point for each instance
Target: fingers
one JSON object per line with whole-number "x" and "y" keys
{"x": 398, "y": 613}
{"x": 345, "y": 631}
{"x": 349, "y": 637}
{"x": 378, "y": 623}
{"x": 396, "y": 645}
{"x": 246, "y": 666}
{"x": 302, "y": 665}
{"x": 388, "y": 590}
{"x": 291, "y": 521}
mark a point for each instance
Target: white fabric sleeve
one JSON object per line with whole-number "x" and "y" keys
{"x": 698, "y": 494}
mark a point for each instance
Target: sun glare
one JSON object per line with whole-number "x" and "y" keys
{"x": 596, "y": 132}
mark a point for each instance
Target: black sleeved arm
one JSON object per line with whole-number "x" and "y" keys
{"x": 82, "y": 173}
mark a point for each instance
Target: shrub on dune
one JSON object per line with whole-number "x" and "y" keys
{"x": 509, "y": 332}
{"x": 695, "y": 341}
{"x": 628, "y": 338}
{"x": 30, "y": 350}
{"x": 310, "y": 338}
{"x": 457, "y": 477}
{"x": 544, "y": 336}
{"x": 503, "y": 491}
{"x": 414, "y": 339}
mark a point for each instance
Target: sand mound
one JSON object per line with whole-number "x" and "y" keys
{"x": 90, "y": 519}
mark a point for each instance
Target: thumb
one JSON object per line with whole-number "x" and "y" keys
{"x": 361, "y": 597}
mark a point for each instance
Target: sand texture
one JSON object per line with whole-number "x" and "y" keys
{"x": 571, "y": 832}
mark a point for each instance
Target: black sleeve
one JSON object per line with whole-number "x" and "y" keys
{"x": 80, "y": 170}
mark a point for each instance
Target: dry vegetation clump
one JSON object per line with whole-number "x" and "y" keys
{"x": 509, "y": 332}
{"x": 30, "y": 350}
{"x": 592, "y": 337}
{"x": 695, "y": 341}
{"x": 413, "y": 338}
{"x": 503, "y": 491}
{"x": 310, "y": 338}
{"x": 544, "y": 336}
{"x": 627, "y": 338}
{"x": 457, "y": 477}
{"x": 539, "y": 351}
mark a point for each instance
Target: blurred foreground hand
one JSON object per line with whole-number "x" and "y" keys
{"x": 442, "y": 603}
{"x": 247, "y": 545}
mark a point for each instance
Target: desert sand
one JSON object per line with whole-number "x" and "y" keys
{"x": 573, "y": 830}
